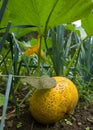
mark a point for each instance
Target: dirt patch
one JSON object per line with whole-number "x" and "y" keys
{"x": 82, "y": 119}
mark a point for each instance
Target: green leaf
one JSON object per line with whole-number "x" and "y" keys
{"x": 5, "y": 36}
{"x": 87, "y": 24}
{"x": 78, "y": 30}
{"x": 68, "y": 122}
{"x": 87, "y": 128}
{"x": 72, "y": 28}
{"x": 19, "y": 125}
{"x": 43, "y": 82}
{"x": 8, "y": 87}
{"x": 45, "y": 13}
{"x": 1, "y": 99}
{"x": 2, "y": 9}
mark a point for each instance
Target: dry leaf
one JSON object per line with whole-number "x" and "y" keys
{"x": 43, "y": 82}
{"x": 47, "y": 82}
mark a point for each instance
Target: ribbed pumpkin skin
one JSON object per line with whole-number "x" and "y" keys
{"x": 50, "y": 105}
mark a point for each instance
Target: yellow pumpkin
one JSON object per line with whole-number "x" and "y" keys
{"x": 51, "y": 105}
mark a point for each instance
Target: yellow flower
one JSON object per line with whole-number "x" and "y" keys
{"x": 32, "y": 50}
{"x": 35, "y": 50}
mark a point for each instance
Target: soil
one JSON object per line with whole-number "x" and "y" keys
{"x": 82, "y": 119}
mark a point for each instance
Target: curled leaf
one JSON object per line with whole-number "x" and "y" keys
{"x": 43, "y": 82}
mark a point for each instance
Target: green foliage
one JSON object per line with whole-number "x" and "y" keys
{"x": 87, "y": 24}
{"x": 85, "y": 91}
{"x": 87, "y": 128}
{"x": 57, "y": 52}
{"x": 68, "y": 122}
{"x": 19, "y": 125}
{"x": 9, "y": 82}
{"x": 66, "y": 54}
{"x": 11, "y": 58}
{"x": 51, "y": 14}
{"x": 64, "y": 51}
{"x": 1, "y": 99}
{"x": 85, "y": 62}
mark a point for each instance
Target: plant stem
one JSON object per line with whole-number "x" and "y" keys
{"x": 65, "y": 73}
{"x": 39, "y": 41}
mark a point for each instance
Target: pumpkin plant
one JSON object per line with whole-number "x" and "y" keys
{"x": 31, "y": 15}
{"x": 40, "y": 16}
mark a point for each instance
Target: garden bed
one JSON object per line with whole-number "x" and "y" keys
{"x": 81, "y": 120}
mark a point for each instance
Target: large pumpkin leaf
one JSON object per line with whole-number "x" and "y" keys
{"x": 45, "y": 13}
{"x": 87, "y": 24}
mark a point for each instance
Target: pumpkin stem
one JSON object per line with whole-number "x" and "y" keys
{"x": 39, "y": 40}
